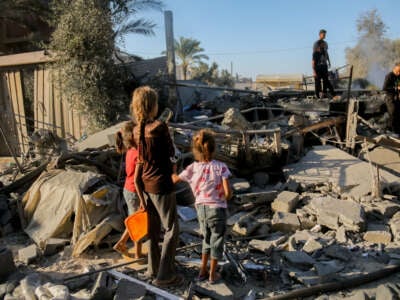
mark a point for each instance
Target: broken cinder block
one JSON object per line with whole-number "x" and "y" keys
{"x": 285, "y": 222}
{"x": 285, "y": 202}
{"x": 28, "y": 254}
{"x": 378, "y": 234}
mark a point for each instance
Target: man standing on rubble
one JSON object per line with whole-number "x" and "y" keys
{"x": 320, "y": 65}
{"x": 392, "y": 88}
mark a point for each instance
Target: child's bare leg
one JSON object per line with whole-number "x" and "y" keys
{"x": 204, "y": 263}
{"x": 138, "y": 250}
{"x": 214, "y": 275}
{"x": 120, "y": 246}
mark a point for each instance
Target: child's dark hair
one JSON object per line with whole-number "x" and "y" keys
{"x": 124, "y": 137}
{"x": 203, "y": 145}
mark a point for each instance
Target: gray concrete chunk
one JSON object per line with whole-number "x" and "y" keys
{"x": 378, "y": 233}
{"x": 285, "y": 202}
{"x": 299, "y": 259}
{"x": 28, "y": 254}
{"x": 285, "y": 222}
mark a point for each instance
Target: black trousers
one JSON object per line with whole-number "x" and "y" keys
{"x": 322, "y": 74}
{"x": 393, "y": 108}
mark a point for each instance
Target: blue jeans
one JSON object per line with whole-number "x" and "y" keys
{"x": 213, "y": 226}
{"x": 132, "y": 201}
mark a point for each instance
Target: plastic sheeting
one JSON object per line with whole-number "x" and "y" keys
{"x": 58, "y": 205}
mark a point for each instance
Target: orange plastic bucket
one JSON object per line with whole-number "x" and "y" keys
{"x": 137, "y": 225}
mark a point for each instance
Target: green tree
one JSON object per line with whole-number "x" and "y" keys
{"x": 189, "y": 53}
{"x": 84, "y": 41}
{"x": 212, "y": 75}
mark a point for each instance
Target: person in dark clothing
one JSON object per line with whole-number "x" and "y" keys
{"x": 392, "y": 88}
{"x": 320, "y": 65}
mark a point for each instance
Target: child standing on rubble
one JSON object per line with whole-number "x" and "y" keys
{"x": 125, "y": 144}
{"x": 154, "y": 186}
{"x": 208, "y": 179}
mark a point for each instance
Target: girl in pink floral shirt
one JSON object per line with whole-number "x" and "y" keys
{"x": 208, "y": 179}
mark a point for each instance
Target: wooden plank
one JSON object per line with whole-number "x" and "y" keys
{"x": 11, "y": 85}
{"x": 29, "y": 58}
{"x": 58, "y": 110}
{"x": 39, "y": 105}
{"x": 21, "y": 109}
{"x": 66, "y": 126}
{"x": 46, "y": 99}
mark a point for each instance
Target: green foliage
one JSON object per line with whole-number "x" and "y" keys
{"x": 212, "y": 76}
{"x": 189, "y": 53}
{"x": 84, "y": 43}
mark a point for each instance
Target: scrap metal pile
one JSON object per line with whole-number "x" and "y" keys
{"x": 305, "y": 212}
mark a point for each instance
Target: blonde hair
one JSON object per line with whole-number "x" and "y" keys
{"x": 124, "y": 137}
{"x": 203, "y": 146}
{"x": 144, "y": 107}
{"x": 144, "y": 104}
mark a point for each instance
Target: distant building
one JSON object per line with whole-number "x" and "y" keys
{"x": 267, "y": 83}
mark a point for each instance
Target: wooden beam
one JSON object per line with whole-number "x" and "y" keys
{"x": 29, "y": 58}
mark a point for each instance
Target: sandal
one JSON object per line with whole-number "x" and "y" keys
{"x": 201, "y": 277}
{"x": 217, "y": 278}
{"x": 175, "y": 281}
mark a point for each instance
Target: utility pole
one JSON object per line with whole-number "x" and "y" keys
{"x": 173, "y": 102}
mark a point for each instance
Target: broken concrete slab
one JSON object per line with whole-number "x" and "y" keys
{"x": 341, "y": 235}
{"x": 246, "y": 225}
{"x": 333, "y": 212}
{"x": 339, "y": 252}
{"x": 359, "y": 295}
{"x": 240, "y": 185}
{"x": 28, "y": 254}
{"x": 350, "y": 176}
{"x": 235, "y": 120}
{"x": 129, "y": 290}
{"x": 285, "y": 222}
{"x": 378, "y": 233}
{"x": 386, "y": 208}
{"x": 328, "y": 268}
{"x": 395, "y": 226}
{"x": 100, "y": 139}
{"x": 54, "y": 245}
{"x": 299, "y": 259}
{"x": 386, "y": 292}
{"x": 258, "y": 197}
{"x": 285, "y": 202}
{"x": 307, "y": 221}
{"x": 219, "y": 291}
{"x": 312, "y": 245}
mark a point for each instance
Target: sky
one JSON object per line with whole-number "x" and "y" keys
{"x": 264, "y": 36}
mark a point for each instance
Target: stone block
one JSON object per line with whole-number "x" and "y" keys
{"x": 262, "y": 245}
{"x": 312, "y": 245}
{"x": 334, "y": 212}
{"x": 325, "y": 269}
{"x": 240, "y": 185}
{"x": 341, "y": 235}
{"x": 28, "y": 254}
{"x": 387, "y": 208}
{"x": 7, "y": 263}
{"x": 378, "y": 234}
{"x": 246, "y": 225}
{"x": 129, "y": 290}
{"x": 308, "y": 278}
{"x": 285, "y": 202}
{"x": 285, "y": 222}
{"x": 299, "y": 259}
{"x": 307, "y": 221}
{"x": 54, "y": 245}
{"x": 386, "y": 292}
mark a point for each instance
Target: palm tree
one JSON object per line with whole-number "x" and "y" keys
{"x": 188, "y": 51}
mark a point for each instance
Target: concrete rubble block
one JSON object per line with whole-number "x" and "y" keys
{"x": 129, "y": 290}
{"x": 333, "y": 212}
{"x": 339, "y": 252}
{"x": 52, "y": 291}
{"x": 341, "y": 235}
{"x": 7, "y": 263}
{"x": 285, "y": 202}
{"x": 28, "y": 254}
{"x": 258, "y": 197}
{"x": 312, "y": 245}
{"x": 103, "y": 287}
{"x": 308, "y": 278}
{"x": 291, "y": 185}
{"x": 261, "y": 179}
{"x": 54, "y": 245}
{"x": 378, "y": 233}
{"x": 246, "y": 225}
{"x": 235, "y": 120}
{"x": 285, "y": 222}
{"x": 262, "y": 245}
{"x": 307, "y": 221}
{"x": 359, "y": 295}
{"x": 327, "y": 268}
{"x": 395, "y": 226}
{"x": 7, "y": 288}
{"x": 387, "y": 208}
{"x": 299, "y": 259}
{"x": 218, "y": 291}
{"x": 240, "y": 185}
{"x": 386, "y": 292}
